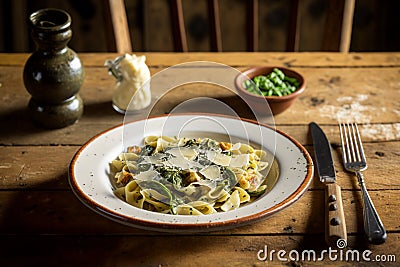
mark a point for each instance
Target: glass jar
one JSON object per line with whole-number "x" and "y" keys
{"x": 132, "y": 89}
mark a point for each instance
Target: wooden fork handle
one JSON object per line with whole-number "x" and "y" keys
{"x": 335, "y": 225}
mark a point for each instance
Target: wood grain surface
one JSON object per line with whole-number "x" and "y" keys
{"x": 37, "y": 205}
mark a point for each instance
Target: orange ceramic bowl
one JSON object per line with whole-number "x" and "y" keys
{"x": 277, "y": 104}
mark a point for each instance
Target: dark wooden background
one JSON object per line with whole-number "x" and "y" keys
{"x": 376, "y": 24}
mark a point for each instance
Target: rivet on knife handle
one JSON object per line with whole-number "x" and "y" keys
{"x": 335, "y": 221}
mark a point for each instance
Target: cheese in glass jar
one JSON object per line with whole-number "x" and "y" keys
{"x": 132, "y": 89}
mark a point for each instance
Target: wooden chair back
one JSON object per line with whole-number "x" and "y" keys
{"x": 117, "y": 29}
{"x": 337, "y": 34}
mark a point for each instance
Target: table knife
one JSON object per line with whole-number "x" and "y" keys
{"x": 335, "y": 225}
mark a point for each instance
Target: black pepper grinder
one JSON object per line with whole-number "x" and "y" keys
{"x": 53, "y": 74}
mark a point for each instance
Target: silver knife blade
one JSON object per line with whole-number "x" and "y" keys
{"x": 335, "y": 225}
{"x": 323, "y": 155}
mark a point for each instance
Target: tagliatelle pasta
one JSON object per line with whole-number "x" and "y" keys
{"x": 190, "y": 176}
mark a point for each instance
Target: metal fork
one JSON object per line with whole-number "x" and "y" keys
{"x": 354, "y": 161}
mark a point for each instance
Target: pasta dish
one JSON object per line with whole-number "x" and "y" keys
{"x": 190, "y": 176}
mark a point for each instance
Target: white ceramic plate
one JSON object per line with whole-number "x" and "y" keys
{"x": 90, "y": 179}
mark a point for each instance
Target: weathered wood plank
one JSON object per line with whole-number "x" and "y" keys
{"x": 306, "y": 59}
{"x": 190, "y": 251}
{"x": 23, "y": 167}
{"x": 33, "y": 167}
{"x": 326, "y": 99}
{"x": 60, "y": 212}
{"x": 34, "y": 188}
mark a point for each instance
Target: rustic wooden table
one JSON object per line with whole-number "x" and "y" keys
{"x": 43, "y": 223}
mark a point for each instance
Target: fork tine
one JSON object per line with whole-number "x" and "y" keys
{"x": 360, "y": 145}
{"x": 352, "y": 147}
{"x": 352, "y": 143}
{"x": 346, "y": 136}
{"x": 342, "y": 138}
{"x": 349, "y": 142}
{"x": 355, "y": 143}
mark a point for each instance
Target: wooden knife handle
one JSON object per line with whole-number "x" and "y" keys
{"x": 335, "y": 225}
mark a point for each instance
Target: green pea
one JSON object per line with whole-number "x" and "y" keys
{"x": 275, "y": 83}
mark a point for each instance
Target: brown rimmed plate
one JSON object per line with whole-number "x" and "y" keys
{"x": 89, "y": 173}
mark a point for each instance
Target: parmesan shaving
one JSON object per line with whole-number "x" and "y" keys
{"x": 146, "y": 175}
{"x": 179, "y": 152}
{"x": 218, "y": 158}
{"x": 239, "y": 160}
{"x": 211, "y": 172}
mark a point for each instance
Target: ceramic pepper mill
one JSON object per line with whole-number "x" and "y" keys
{"x": 53, "y": 74}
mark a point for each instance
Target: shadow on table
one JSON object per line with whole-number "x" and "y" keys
{"x": 19, "y": 128}
{"x": 46, "y": 225}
